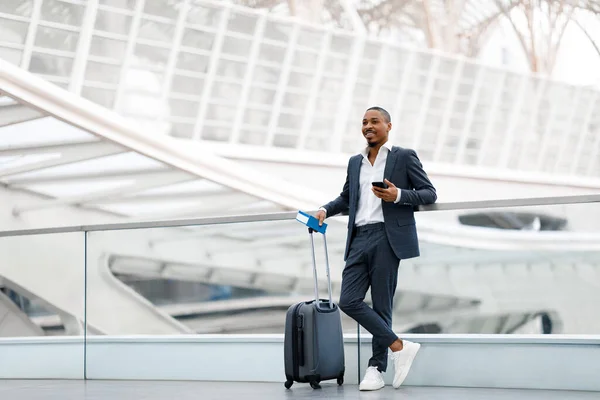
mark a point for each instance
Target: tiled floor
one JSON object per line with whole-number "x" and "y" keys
{"x": 146, "y": 390}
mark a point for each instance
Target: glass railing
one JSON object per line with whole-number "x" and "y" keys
{"x": 525, "y": 266}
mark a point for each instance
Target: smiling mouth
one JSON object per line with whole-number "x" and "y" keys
{"x": 369, "y": 134}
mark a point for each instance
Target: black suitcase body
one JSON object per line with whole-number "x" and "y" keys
{"x": 314, "y": 343}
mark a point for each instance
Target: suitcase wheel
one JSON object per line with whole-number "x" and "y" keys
{"x": 288, "y": 384}
{"x": 315, "y": 385}
{"x": 340, "y": 380}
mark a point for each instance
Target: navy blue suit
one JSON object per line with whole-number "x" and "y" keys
{"x": 373, "y": 252}
{"x": 404, "y": 169}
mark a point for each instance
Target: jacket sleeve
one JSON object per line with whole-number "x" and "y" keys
{"x": 342, "y": 203}
{"x": 423, "y": 191}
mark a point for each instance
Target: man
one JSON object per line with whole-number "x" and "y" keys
{"x": 381, "y": 232}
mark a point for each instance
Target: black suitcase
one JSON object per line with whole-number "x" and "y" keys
{"x": 314, "y": 343}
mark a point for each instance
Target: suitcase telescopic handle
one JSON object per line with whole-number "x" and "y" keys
{"x": 312, "y": 245}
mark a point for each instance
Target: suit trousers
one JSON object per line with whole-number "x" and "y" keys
{"x": 371, "y": 262}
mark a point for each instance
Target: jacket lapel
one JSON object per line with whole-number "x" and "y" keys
{"x": 355, "y": 184}
{"x": 390, "y": 163}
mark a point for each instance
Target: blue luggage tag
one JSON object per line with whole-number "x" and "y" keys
{"x": 311, "y": 222}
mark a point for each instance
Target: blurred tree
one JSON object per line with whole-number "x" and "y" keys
{"x": 457, "y": 26}
{"x": 591, "y": 9}
{"x": 540, "y": 26}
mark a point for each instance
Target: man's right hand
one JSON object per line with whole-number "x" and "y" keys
{"x": 320, "y": 215}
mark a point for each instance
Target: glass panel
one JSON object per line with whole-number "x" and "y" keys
{"x": 305, "y": 60}
{"x": 150, "y": 55}
{"x": 56, "y": 39}
{"x": 157, "y": 31}
{"x": 103, "y": 97}
{"x": 242, "y": 23}
{"x": 518, "y": 270}
{"x": 310, "y": 38}
{"x": 198, "y": 39}
{"x": 192, "y": 62}
{"x": 271, "y": 53}
{"x": 103, "y": 47}
{"x": 236, "y": 46}
{"x": 187, "y": 85}
{"x": 204, "y": 15}
{"x": 42, "y": 281}
{"x": 11, "y": 55}
{"x": 17, "y": 7}
{"x": 183, "y": 108}
{"x": 50, "y": 65}
{"x": 64, "y": 13}
{"x": 214, "y": 279}
{"x": 13, "y": 31}
{"x": 125, "y": 4}
{"x": 113, "y": 22}
{"x": 162, "y": 8}
{"x": 182, "y": 130}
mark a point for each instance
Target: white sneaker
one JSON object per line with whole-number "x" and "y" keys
{"x": 373, "y": 380}
{"x": 403, "y": 360}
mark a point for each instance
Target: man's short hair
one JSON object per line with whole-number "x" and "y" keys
{"x": 383, "y": 112}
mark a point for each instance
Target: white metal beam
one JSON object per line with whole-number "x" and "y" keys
{"x": 238, "y": 120}
{"x": 282, "y": 84}
{"x": 546, "y": 136}
{"x": 200, "y": 196}
{"x": 184, "y": 9}
{"x": 129, "y": 54}
{"x": 76, "y": 176}
{"x": 585, "y": 130}
{"x": 464, "y": 135}
{"x": 69, "y": 154}
{"x": 311, "y": 103}
{"x": 15, "y": 114}
{"x": 83, "y": 46}
{"x": 345, "y": 99}
{"x": 149, "y": 181}
{"x": 424, "y": 107}
{"x": 407, "y": 74}
{"x": 568, "y": 131}
{"x": 208, "y": 205}
{"x": 507, "y": 146}
{"x": 529, "y": 136}
{"x": 353, "y": 16}
{"x": 492, "y": 121}
{"x": 209, "y": 80}
{"x": 594, "y": 157}
{"x": 450, "y": 104}
{"x": 36, "y": 12}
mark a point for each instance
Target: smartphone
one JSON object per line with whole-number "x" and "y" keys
{"x": 379, "y": 184}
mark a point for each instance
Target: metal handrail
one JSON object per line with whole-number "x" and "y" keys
{"x": 290, "y": 215}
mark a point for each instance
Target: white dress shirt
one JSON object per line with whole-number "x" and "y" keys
{"x": 369, "y": 206}
{"x": 369, "y": 209}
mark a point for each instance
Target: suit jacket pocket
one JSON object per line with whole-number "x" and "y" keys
{"x": 405, "y": 222}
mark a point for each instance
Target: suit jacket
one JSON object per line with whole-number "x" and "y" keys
{"x": 404, "y": 169}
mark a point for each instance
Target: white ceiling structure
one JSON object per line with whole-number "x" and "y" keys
{"x": 84, "y": 163}
{"x": 243, "y": 79}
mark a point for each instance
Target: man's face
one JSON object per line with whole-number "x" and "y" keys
{"x": 374, "y": 128}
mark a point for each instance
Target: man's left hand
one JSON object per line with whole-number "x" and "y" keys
{"x": 388, "y": 194}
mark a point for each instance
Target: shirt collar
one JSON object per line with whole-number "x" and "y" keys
{"x": 387, "y": 145}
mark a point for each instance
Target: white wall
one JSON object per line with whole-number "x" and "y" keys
{"x": 42, "y": 358}
{"x": 532, "y": 362}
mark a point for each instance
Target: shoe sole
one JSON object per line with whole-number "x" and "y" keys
{"x": 370, "y": 389}
{"x": 406, "y": 369}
